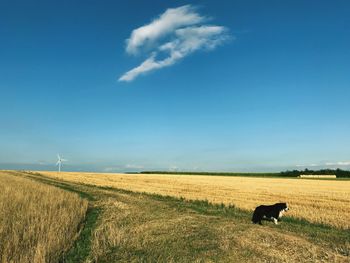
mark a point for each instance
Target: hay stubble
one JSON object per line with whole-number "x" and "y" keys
{"x": 318, "y": 201}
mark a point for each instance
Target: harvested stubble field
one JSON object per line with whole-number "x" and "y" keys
{"x": 317, "y": 201}
{"x": 38, "y": 223}
{"x": 130, "y": 226}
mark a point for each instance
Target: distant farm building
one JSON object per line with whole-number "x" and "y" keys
{"x": 317, "y": 176}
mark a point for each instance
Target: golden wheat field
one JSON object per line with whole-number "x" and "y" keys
{"x": 318, "y": 201}
{"x": 37, "y": 222}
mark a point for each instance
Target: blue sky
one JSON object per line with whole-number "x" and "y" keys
{"x": 266, "y": 88}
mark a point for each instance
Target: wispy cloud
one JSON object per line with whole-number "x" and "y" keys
{"x": 173, "y": 168}
{"x": 340, "y": 163}
{"x": 333, "y": 164}
{"x": 122, "y": 168}
{"x": 134, "y": 166}
{"x": 174, "y": 35}
{"x": 307, "y": 165}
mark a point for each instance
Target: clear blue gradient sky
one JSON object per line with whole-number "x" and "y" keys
{"x": 274, "y": 97}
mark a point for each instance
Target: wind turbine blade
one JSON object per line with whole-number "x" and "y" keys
{"x": 58, "y": 162}
{"x": 58, "y": 156}
{"x": 64, "y": 160}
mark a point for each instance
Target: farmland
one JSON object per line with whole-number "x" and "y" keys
{"x": 318, "y": 201}
{"x": 38, "y": 223}
{"x": 143, "y": 219}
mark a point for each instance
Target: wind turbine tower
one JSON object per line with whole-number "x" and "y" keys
{"x": 59, "y": 162}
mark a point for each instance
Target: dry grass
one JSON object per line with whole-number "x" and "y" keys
{"x": 318, "y": 201}
{"x": 140, "y": 228}
{"x": 37, "y": 222}
{"x": 137, "y": 227}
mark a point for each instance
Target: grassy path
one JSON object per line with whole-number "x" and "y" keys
{"x": 136, "y": 227}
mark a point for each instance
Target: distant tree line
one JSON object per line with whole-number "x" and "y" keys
{"x": 338, "y": 172}
{"x": 293, "y": 173}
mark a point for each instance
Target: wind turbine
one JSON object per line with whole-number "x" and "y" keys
{"x": 59, "y": 162}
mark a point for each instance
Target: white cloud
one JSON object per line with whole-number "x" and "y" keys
{"x": 122, "y": 168}
{"x": 111, "y": 169}
{"x": 171, "y": 19}
{"x": 134, "y": 166}
{"x": 340, "y": 163}
{"x": 173, "y": 168}
{"x": 148, "y": 65}
{"x": 307, "y": 165}
{"x": 177, "y": 33}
